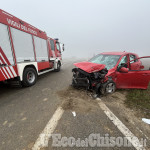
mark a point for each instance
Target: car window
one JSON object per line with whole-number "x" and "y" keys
{"x": 145, "y": 63}
{"x": 132, "y": 57}
{"x": 109, "y": 60}
{"x": 123, "y": 61}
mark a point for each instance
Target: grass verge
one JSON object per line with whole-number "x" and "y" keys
{"x": 139, "y": 99}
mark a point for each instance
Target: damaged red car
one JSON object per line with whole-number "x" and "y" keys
{"x": 109, "y": 71}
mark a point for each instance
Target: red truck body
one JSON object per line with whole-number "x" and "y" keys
{"x": 23, "y": 45}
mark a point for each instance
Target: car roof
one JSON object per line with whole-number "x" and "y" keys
{"x": 116, "y": 53}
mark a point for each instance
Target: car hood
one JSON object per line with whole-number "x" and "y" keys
{"x": 89, "y": 66}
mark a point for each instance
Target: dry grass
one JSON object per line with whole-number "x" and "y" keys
{"x": 139, "y": 99}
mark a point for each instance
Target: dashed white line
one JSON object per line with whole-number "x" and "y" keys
{"x": 123, "y": 129}
{"x": 44, "y": 137}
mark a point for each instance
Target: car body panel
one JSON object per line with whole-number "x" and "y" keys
{"x": 134, "y": 78}
{"x": 90, "y": 67}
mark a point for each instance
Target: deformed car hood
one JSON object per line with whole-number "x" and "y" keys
{"x": 89, "y": 66}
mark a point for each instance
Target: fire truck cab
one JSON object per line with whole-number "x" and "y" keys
{"x": 25, "y": 51}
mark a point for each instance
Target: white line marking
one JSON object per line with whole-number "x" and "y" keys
{"x": 123, "y": 129}
{"x": 7, "y": 14}
{"x": 44, "y": 137}
{"x": 143, "y": 133}
{"x": 31, "y": 26}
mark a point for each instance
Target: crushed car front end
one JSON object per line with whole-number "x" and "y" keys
{"x": 89, "y": 75}
{"x": 97, "y": 73}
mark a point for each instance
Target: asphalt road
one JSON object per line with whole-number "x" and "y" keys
{"x": 24, "y": 113}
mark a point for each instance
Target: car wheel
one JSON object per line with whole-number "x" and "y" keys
{"x": 108, "y": 88}
{"x": 29, "y": 77}
{"x": 58, "y": 67}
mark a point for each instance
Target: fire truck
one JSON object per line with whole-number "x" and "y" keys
{"x": 25, "y": 51}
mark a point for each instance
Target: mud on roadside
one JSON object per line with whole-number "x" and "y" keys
{"x": 77, "y": 100}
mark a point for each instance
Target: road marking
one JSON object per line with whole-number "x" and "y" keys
{"x": 143, "y": 133}
{"x": 123, "y": 129}
{"x": 44, "y": 137}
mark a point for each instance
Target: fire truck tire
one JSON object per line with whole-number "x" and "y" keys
{"x": 108, "y": 88}
{"x": 29, "y": 77}
{"x": 58, "y": 67}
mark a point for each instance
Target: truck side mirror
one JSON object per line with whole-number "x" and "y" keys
{"x": 63, "y": 47}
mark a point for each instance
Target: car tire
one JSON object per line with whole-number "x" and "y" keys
{"x": 29, "y": 77}
{"x": 108, "y": 88}
{"x": 58, "y": 67}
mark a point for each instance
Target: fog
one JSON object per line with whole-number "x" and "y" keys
{"x": 88, "y": 27}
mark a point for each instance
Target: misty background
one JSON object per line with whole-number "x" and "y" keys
{"x": 89, "y": 27}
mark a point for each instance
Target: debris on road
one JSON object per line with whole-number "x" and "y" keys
{"x": 146, "y": 120}
{"x": 74, "y": 113}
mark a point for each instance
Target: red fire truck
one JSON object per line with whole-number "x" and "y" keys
{"x": 25, "y": 51}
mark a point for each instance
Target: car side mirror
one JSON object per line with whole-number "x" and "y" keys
{"x": 124, "y": 70}
{"x": 141, "y": 67}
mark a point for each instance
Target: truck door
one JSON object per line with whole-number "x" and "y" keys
{"x": 7, "y": 64}
{"x": 52, "y": 45}
{"x": 58, "y": 50}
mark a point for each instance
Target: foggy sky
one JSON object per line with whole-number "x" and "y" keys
{"x": 89, "y": 27}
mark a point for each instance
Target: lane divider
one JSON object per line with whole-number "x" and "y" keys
{"x": 44, "y": 137}
{"x": 122, "y": 128}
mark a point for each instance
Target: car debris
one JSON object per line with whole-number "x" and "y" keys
{"x": 74, "y": 113}
{"x": 146, "y": 120}
{"x": 108, "y": 71}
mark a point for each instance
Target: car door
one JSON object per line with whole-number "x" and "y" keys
{"x": 120, "y": 79}
{"x": 134, "y": 63}
{"x": 138, "y": 79}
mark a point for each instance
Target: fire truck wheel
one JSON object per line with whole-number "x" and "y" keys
{"x": 108, "y": 88}
{"x": 58, "y": 67}
{"x": 29, "y": 77}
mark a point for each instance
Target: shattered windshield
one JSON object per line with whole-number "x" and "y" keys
{"x": 109, "y": 60}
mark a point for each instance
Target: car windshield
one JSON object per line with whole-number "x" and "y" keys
{"x": 109, "y": 60}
